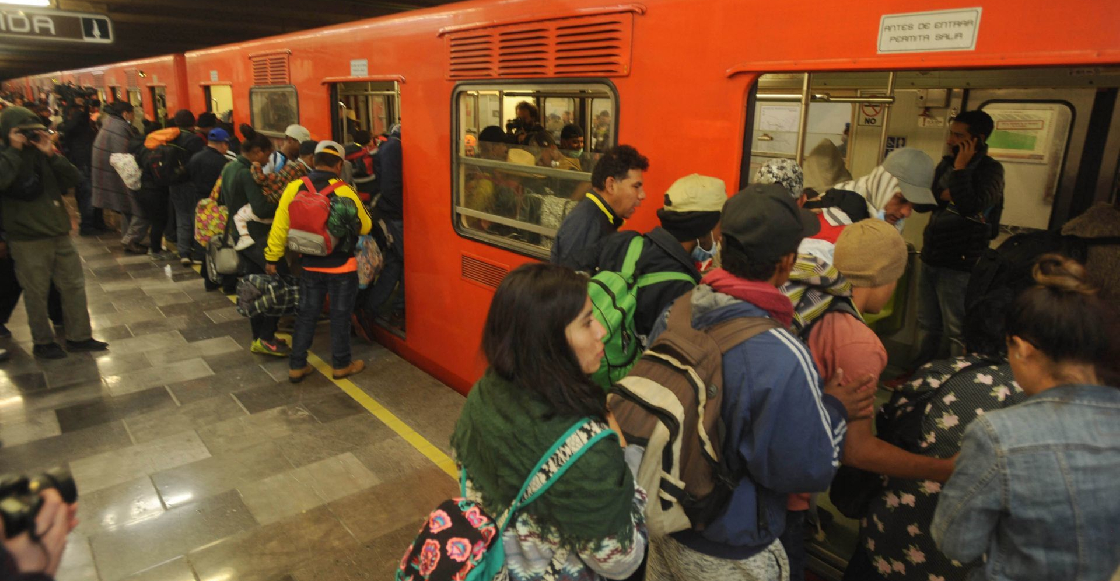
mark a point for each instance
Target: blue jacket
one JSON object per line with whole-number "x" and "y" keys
{"x": 1036, "y": 489}
{"x": 787, "y": 433}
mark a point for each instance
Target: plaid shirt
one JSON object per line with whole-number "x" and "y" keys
{"x": 273, "y": 184}
{"x": 261, "y": 294}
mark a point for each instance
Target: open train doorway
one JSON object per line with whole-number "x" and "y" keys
{"x": 219, "y": 101}
{"x": 362, "y": 117}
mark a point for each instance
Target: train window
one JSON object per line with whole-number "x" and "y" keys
{"x": 513, "y": 189}
{"x": 599, "y": 125}
{"x": 370, "y": 106}
{"x": 558, "y": 112}
{"x": 273, "y": 109}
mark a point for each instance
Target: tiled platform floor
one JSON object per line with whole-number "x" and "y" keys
{"x": 196, "y": 460}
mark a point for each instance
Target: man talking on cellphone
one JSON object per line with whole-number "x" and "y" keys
{"x": 968, "y": 184}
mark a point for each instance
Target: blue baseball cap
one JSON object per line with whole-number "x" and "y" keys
{"x": 218, "y": 134}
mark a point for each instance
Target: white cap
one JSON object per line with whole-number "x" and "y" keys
{"x": 298, "y": 132}
{"x": 331, "y": 147}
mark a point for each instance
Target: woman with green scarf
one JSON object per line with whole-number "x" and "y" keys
{"x": 542, "y": 343}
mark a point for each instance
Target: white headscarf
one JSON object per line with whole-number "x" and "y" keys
{"x": 877, "y": 188}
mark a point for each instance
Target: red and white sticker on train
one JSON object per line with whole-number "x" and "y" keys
{"x": 870, "y": 114}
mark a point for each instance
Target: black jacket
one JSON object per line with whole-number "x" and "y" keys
{"x": 390, "y": 174}
{"x": 959, "y": 231}
{"x": 205, "y": 167}
{"x": 661, "y": 253}
{"x": 584, "y": 226}
{"x": 78, "y": 134}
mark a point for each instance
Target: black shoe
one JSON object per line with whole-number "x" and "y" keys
{"x": 4, "y": 332}
{"x": 88, "y": 231}
{"x": 49, "y": 351}
{"x": 87, "y": 345}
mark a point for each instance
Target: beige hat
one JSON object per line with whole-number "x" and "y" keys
{"x": 298, "y": 132}
{"x": 824, "y": 167}
{"x": 870, "y": 253}
{"x": 521, "y": 157}
{"x": 696, "y": 193}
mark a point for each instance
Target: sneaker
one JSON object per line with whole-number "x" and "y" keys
{"x": 353, "y": 368}
{"x": 276, "y": 349}
{"x": 243, "y": 243}
{"x": 185, "y": 261}
{"x": 49, "y": 351}
{"x": 297, "y": 375}
{"x": 5, "y": 333}
{"x": 87, "y": 345}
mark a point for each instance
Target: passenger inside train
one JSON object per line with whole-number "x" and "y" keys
{"x": 857, "y": 324}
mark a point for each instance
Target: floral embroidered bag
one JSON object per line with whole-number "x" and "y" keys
{"x": 461, "y": 542}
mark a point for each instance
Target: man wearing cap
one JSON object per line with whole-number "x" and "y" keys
{"x": 335, "y": 275}
{"x": 969, "y": 186}
{"x": 893, "y": 189}
{"x": 288, "y": 151}
{"x": 785, "y": 432}
{"x": 616, "y": 185}
{"x": 205, "y": 167}
{"x": 686, "y": 236}
{"x": 37, "y": 229}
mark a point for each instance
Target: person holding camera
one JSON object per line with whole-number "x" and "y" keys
{"x": 32, "y": 178}
{"x": 36, "y": 558}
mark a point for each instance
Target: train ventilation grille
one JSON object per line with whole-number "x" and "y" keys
{"x": 590, "y": 46}
{"x": 132, "y": 79}
{"x": 483, "y": 273}
{"x": 271, "y": 68}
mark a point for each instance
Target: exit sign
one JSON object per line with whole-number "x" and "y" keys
{"x": 55, "y": 25}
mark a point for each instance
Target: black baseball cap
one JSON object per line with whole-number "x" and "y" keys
{"x": 766, "y": 221}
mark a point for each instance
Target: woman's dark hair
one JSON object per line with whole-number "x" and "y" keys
{"x": 525, "y": 343}
{"x": 254, "y": 140}
{"x": 984, "y": 324}
{"x": 735, "y": 260}
{"x": 1065, "y": 319}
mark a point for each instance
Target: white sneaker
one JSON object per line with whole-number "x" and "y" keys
{"x": 243, "y": 243}
{"x": 185, "y": 261}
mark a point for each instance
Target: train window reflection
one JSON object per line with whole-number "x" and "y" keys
{"x": 517, "y": 177}
{"x": 273, "y": 109}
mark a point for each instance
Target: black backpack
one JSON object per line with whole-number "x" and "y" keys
{"x": 1008, "y": 267}
{"x": 163, "y": 159}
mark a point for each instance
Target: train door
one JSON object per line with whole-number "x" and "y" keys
{"x": 137, "y": 103}
{"x": 159, "y": 104}
{"x": 372, "y": 106}
{"x": 115, "y": 92}
{"x": 1056, "y": 134}
{"x": 219, "y": 101}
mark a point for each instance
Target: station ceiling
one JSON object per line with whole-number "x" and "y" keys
{"x": 145, "y": 28}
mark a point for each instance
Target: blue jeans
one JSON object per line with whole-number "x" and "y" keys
{"x": 184, "y": 199}
{"x": 391, "y": 274}
{"x": 793, "y": 539}
{"x": 941, "y": 311}
{"x": 314, "y": 288}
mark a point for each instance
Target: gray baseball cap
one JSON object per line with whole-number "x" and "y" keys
{"x": 914, "y": 170}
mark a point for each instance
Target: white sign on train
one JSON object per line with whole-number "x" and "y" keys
{"x": 359, "y": 68}
{"x": 942, "y": 30}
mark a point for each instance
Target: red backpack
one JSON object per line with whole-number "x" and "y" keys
{"x": 307, "y": 219}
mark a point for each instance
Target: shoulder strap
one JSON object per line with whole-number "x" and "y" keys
{"x": 307, "y": 183}
{"x": 630, "y": 263}
{"x": 329, "y": 190}
{"x": 660, "y": 277}
{"x": 730, "y": 334}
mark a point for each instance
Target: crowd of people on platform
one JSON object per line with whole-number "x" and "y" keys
{"x": 995, "y": 456}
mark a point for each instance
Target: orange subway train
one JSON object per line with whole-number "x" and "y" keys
{"x": 715, "y": 88}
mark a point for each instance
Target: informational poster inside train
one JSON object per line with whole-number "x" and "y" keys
{"x": 359, "y": 68}
{"x": 893, "y": 143}
{"x": 1021, "y": 135}
{"x": 936, "y": 31}
{"x": 33, "y": 25}
{"x": 780, "y": 118}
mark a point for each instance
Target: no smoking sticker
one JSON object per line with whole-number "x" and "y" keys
{"x": 870, "y": 114}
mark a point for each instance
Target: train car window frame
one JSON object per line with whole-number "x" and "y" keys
{"x": 517, "y": 235}
{"x": 258, "y": 124}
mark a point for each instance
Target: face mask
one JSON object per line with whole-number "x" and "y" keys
{"x": 701, "y": 255}
{"x": 575, "y": 153}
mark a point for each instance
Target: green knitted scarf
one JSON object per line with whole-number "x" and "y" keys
{"x": 502, "y": 433}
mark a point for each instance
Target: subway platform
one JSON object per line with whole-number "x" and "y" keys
{"x": 196, "y": 460}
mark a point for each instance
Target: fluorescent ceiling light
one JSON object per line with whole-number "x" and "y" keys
{"x": 41, "y": 3}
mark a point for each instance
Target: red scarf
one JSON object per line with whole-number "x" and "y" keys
{"x": 758, "y": 293}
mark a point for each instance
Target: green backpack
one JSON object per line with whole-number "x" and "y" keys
{"x": 614, "y": 299}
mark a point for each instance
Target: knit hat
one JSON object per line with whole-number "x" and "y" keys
{"x": 784, "y": 172}
{"x": 207, "y": 119}
{"x": 693, "y": 205}
{"x": 308, "y": 147}
{"x": 870, "y": 253}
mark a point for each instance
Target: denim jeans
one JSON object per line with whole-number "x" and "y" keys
{"x": 793, "y": 539}
{"x": 391, "y": 274}
{"x": 941, "y": 311}
{"x": 314, "y": 288}
{"x": 184, "y": 199}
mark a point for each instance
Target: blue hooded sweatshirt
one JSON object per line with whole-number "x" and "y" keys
{"x": 787, "y": 432}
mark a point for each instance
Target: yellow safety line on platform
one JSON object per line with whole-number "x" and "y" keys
{"x": 414, "y": 439}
